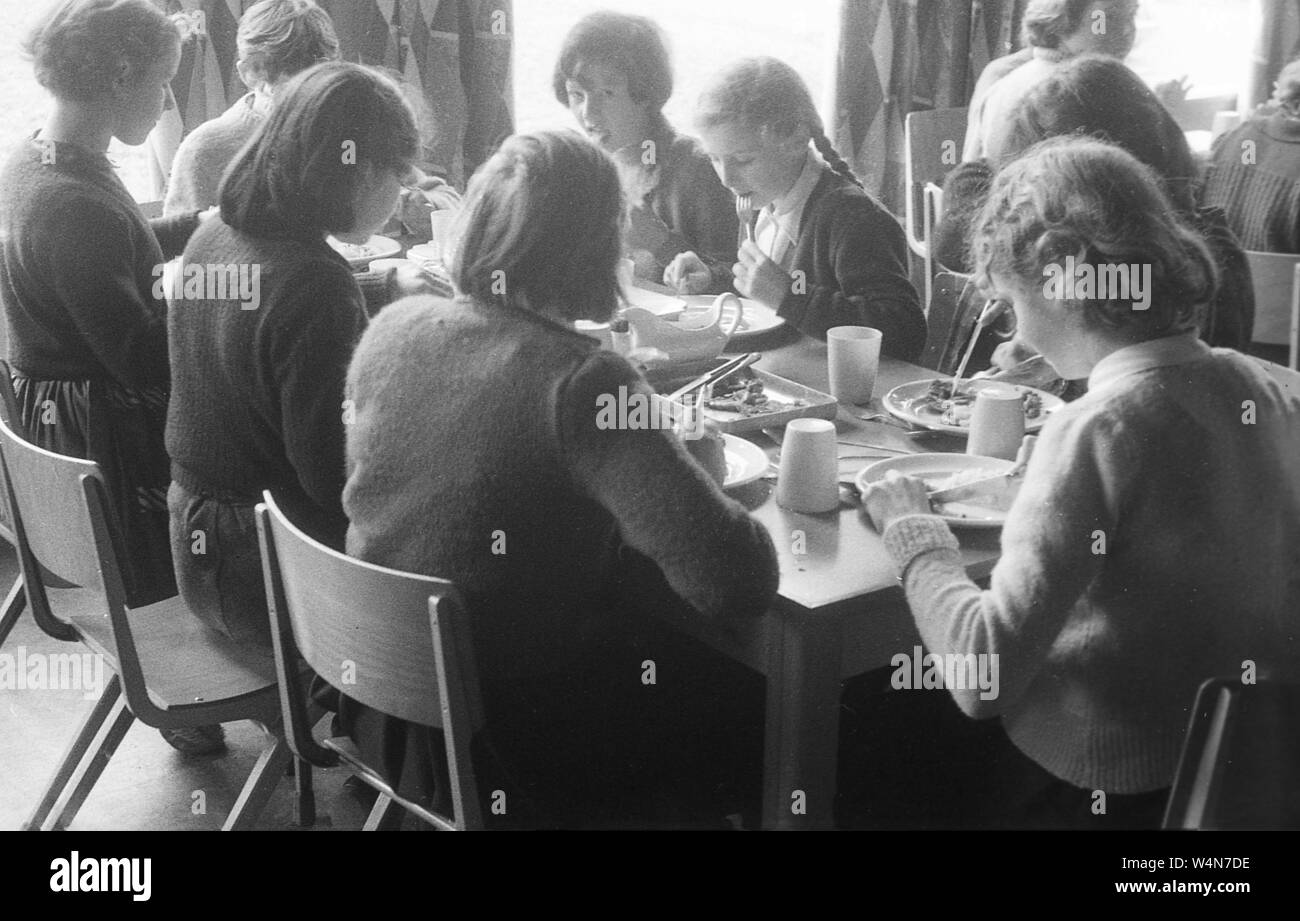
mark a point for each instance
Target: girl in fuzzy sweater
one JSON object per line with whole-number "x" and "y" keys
{"x": 1155, "y": 541}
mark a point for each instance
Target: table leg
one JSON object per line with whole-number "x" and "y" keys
{"x": 801, "y": 741}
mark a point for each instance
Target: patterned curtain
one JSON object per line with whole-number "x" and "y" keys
{"x": 1278, "y": 43}
{"x": 456, "y": 54}
{"x": 901, "y": 56}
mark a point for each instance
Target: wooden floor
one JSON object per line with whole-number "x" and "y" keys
{"x": 148, "y": 784}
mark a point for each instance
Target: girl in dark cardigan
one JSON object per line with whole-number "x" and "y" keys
{"x": 823, "y": 252}
{"x": 78, "y": 265}
{"x": 257, "y": 383}
{"x": 478, "y": 455}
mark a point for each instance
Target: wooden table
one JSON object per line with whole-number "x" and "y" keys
{"x": 840, "y": 611}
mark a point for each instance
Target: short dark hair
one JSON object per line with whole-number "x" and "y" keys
{"x": 542, "y": 227}
{"x": 294, "y": 176}
{"x": 632, "y": 45}
{"x": 1081, "y": 197}
{"x": 77, "y": 46}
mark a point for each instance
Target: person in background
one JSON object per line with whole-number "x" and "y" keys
{"x": 87, "y": 330}
{"x": 614, "y": 75}
{"x": 1053, "y": 31}
{"x": 1099, "y": 96}
{"x": 1254, "y": 172}
{"x": 1101, "y": 653}
{"x": 479, "y": 455}
{"x": 257, "y": 385}
{"x": 823, "y": 252}
{"x": 276, "y": 40}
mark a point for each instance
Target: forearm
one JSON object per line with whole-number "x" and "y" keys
{"x": 174, "y": 232}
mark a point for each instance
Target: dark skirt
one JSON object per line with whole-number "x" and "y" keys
{"x": 121, "y": 430}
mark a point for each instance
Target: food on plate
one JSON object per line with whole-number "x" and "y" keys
{"x": 353, "y": 250}
{"x": 956, "y": 409}
{"x": 993, "y": 498}
{"x": 745, "y": 396}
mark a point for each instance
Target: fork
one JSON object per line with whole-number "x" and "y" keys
{"x": 745, "y": 214}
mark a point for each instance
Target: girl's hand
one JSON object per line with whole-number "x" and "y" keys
{"x": 687, "y": 274}
{"x": 760, "y": 278}
{"x": 894, "y": 497}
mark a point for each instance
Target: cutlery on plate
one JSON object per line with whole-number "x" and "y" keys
{"x": 992, "y": 310}
{"x": 724, "y": 370}
{"x": 874, "y": 447}
{"x": 966, "y": 489}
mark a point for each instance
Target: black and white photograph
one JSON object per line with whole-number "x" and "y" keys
{"x": 651, "y": 415}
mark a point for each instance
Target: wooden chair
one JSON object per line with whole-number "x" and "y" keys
{"x": 1240, "y": 764}
{"x": 954, "y": 307}
{"x": 15, "y": 599}
{"x": 1276, "y": 280}
{"x": 932, "y": 143}
{"x": 409, "y": 654}
{"x": 169, "y": 671}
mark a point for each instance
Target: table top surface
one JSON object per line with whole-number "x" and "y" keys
{"x": 843, "y": 558}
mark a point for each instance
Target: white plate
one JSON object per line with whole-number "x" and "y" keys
{"x": 746, "y": 461}
{"x": 757, "y": 318}
{"x": 934, "y": 467}
{"x": 359, "y": 257}
{"x": 908, "y": 402}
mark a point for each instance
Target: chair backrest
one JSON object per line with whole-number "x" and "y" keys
{"x": 932, "y": 147}
{"x": 1240, "y": 764}
{"x": 67, "y": 547}
{"x": 1276, "y": 280}
{"x": 954, "y": 306}
{"x": 10, "y": 416}
{"x": 394, "y": 641}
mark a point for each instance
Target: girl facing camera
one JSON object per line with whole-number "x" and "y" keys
{"x": 614, "y": 75}
{"x": 478, "y": 455}
{"x": 258, "y": 367}
{"x": 1155, "y": 541}
{"x": 820, "y": 251}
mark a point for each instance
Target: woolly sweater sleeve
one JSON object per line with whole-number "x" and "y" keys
{"x": 1072, "y": 491}
{"x": 712, "y": 553}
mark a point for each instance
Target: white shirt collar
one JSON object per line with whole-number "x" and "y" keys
{"x": 788, "y": 209}
{"x": 1179, "y": 349}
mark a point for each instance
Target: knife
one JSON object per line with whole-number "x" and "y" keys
{"x": 966, "y": 489}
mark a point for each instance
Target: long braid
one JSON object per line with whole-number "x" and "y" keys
{"x": 832, "y": 156}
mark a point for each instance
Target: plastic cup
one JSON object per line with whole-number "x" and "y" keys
{"x": 853, "y": 359}
{"x": 440, "y": 234}
{"x": 809, "y": 467}
{"x": 997, "y": 422}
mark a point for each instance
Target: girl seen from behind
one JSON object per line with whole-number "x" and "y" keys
{"x": 477, "y": 422}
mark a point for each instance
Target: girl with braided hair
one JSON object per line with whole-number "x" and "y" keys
{"x": 821, "y": 252}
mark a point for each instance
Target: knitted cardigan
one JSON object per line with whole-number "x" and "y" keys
{"x": 478, "y": 455}
{"x": 1254, "y": 176}
{"x": 77, "y": 261}
{"x": 1155, "y": 543}
{"x": 850, "y": 269}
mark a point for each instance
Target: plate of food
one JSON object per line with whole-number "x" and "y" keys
{"x": 755, "y": 318}
{"x": 987, "y": 507}
{"x": 360, "y": 255}
{"x": 930, "y": 404}
{"x": 746, "y": 461}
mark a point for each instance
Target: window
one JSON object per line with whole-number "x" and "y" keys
{"x": 703, "y": 35}
{"x": 1208, "y": 41}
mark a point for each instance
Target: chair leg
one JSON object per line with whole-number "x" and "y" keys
{"x": 385, "y": 815}
{"x": 76, "y": 751}
{"x": 91, "y": 766}
{"x": 304, "y": 803}
{"x": 260, "y": 785}
{"x": 14, "y": 604}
